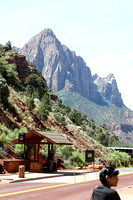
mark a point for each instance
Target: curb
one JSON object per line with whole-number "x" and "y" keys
{"x": 33, "y": 178}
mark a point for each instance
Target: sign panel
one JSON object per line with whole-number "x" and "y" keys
{"x": 21, "y": 137}
{"x": 89, "y": 155}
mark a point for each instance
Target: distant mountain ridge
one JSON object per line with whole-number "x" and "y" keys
{"x": 63, "y": 70}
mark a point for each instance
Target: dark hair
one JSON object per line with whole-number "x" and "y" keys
{"x": 110, "y": 171}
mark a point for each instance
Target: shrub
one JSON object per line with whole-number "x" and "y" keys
{"x": 78, "y": 158}
{"x": 59, "y": 118}
{"x": 4, "y": 139}
{"x": 9, "y": 73}
{"x": 4, "y": 91}
{"x": 119, "y": 158}
{"x": 44, "y": 107}
{"x": 76, "y": 117}
{"x": 36, "y": 86}
{"x": 30, "y": 102}
{"x": 19, "y": 149}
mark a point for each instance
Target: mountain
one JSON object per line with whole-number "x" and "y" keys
{"x": 64, "y": 71}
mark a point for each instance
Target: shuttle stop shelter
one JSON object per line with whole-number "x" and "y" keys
{"x": 35, "y": 138}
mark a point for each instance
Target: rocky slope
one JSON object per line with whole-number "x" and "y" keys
{"x": 27, "y": 118}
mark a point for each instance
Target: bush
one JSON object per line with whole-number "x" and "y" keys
{"x": 102, "y": 138}
{"x": 30, "y": 102}
{"x": 44, "y": 107}
{"x": 36, "y": 86}
{"x": 69, "y": 155}
{"x": 119, "y": 158}
{"x": 9, "y": 73}
{"x": 78, "y": 158}
{"x": 4, "y": 91}
{"x": 76, "y": 117}
{"x": 4, "y": 139}
{"x": 19, "y": 149}
{"x": 60, "y": 119}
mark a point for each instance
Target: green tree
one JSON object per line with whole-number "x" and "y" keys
{"x": 9, "y": 44}
{"x": 29, "y": 90}
{"x": 9, "y": 73}
{"x": 44, "y": 107}
{"x": 4, "y": 91}
{"x": 36, "y": 86}
{"x": 76, "y": 117}
{"x": 42, "y": 112}
{"x": 78, "y": 158}
{"x": 102, "y": 138}
{"x": 118, "y": 157}
{"x": 30, "y": 102}
{"x": 4, "y": 139}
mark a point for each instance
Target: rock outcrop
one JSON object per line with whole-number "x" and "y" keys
{"x": 22, "y": 66}
{"x": 108, "y": 89}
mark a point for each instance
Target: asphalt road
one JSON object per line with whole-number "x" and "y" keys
{"x": 55, "y": 190}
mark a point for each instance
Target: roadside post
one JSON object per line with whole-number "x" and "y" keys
{"x": 83, "y": 171}
{"x": 22, "y": 167}
{"x": 74, "y": 172}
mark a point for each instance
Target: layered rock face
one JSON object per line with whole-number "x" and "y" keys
{"x": 108, "y": 89}
{"x": 123, "y": 131}
{"x": 62, "y": 69}
{"x": 22, "y": 65}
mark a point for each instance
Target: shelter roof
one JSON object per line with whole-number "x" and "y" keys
{"x": 43, "y": 137}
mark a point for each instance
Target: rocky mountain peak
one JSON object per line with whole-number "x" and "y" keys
{"x": 60, "y": 66}
{"x": 63, "y": 70}
{"x": 107, "y": 87}
{"x": 48, "y": 32}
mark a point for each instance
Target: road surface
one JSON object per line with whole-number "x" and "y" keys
{"x": 55, "y": 188}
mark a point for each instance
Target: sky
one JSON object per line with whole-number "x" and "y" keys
{"x": 100, "y": 31}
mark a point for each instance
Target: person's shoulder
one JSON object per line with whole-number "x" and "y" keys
{"x": 104, "y": 188}
{"x": 108, "y": 192}
{"x": 100, "y": 187}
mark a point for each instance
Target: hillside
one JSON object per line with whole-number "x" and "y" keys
{"x": 64, "y": 71}
{"x": 26, "y": 103}
{"x": 115, "y": 119}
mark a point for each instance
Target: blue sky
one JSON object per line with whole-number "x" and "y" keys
{"x": 100, "y": 31}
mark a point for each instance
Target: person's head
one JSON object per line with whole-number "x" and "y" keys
{"x": 109, "y": 176}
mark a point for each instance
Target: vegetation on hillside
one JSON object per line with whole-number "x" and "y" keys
{"x": 33, "y": 92}
{"x": 102, "y": 114}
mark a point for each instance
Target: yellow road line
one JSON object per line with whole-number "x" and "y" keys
{"x": 35, "y": 189}
{"x": 43, "y": 188}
